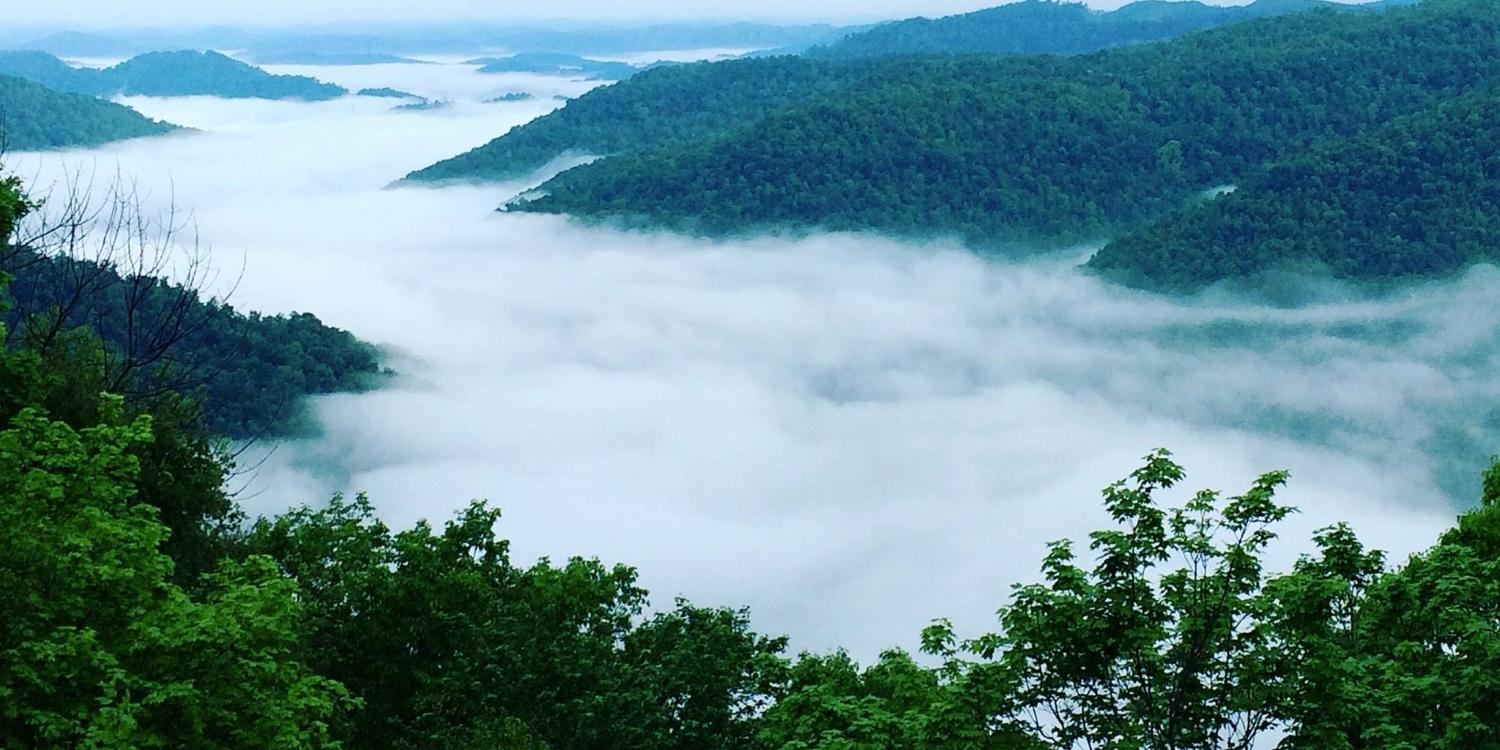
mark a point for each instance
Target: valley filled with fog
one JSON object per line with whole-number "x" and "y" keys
{"x": 850, "y": 435}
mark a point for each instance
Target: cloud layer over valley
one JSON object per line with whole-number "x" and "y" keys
{"x": 850, "y": 435}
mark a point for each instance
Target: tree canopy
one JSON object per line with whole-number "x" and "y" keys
{"x": 1418, "y": 197}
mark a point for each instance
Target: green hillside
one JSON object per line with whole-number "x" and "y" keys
{"x": 183, "y": 73}
{"x": 1416, "y": 198}
{"x": 34, "y": 118}
{"x": 1008, "y": 148}
{"x": 669, "y": 104}
{"x": 693, "y": 102}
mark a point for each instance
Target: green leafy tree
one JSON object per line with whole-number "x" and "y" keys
{"x": 1408, "y": 658}
{"x": 1132, "y": 653}
{"x": 99, "y": 649}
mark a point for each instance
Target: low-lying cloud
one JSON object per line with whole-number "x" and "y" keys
{"x": 848, "y": 434}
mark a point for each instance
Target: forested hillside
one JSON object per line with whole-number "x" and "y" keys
{"x": 33, "y": 118}
{"x": 141, "y": 612}
{"x": 1418, "y": 197}
{"x": 997, "y": 148}
{"x": 86, "y": 282}
{"x": 184, "y": 73}
{"x": 697, "y": 101}
{"x": 1037, "y": 27}
{"x": 669, "y": 104}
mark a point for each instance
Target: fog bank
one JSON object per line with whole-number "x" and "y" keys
{"x": 848, "y": 434}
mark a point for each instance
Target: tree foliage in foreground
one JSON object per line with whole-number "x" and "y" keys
{"x": 323, "y": 628}
{"x": 99, "y": 648}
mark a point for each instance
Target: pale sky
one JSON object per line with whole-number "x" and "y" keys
{"x": 100, "y": 13}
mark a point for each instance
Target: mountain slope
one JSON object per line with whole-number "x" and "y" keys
{"x": 1419, "y": 197}
{"x": 668, "y": 104}
{"x": 33, "y": 118}
{"x": 697, "y": 101}
{"x": 184, "y": 73}
{"x": 1002, "y": 148}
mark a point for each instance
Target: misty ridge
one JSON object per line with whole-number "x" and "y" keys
{"x": 816, "y": 334}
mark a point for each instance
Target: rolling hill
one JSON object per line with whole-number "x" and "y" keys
{"x": 999, "y": 148}
{"x": 33, "y": 118}
{"x": 183, "y": 73}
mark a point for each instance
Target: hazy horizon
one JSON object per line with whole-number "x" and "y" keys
{"x": 177, "y": 15}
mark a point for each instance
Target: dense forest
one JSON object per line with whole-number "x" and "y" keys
{"x": 695, "y": 102}
{"x": 183, "y": 73}
{"x": 33, "y": 118}
{"x": 1420, "y": 196}
{"x": 140, "y": 611}
{"x": 998, "y": 148}
{"x": 90, "y": 265}
{"x": 988, "y": 147}
{"x": 668, "y": 104}
{"x": 1040, "y": 27}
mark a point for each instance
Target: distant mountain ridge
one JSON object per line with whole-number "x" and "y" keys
{"x": 34, "y": 117}
{"x": 181, "y": 73}
{"x": 431, "y": 38}
{"x": 1052, "y": 27}
{"x": 556, "y": 63}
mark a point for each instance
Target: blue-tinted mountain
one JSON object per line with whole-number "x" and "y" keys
{"x": 1050, "y": 27}
{"x": 33, "y": 117}
{"x": 183, "y": 73}
{"x": 558, "y": 64}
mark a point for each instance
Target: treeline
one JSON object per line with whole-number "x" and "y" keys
{"x": 1415, "y": 198}
{"x": 34, "y": 118}
{"x": 1000, "y": 148}
{"x": 322, "y": 628}
{"x": 180, "y": 73}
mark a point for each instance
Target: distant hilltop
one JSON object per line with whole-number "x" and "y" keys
{"x": 181, "y": 73}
